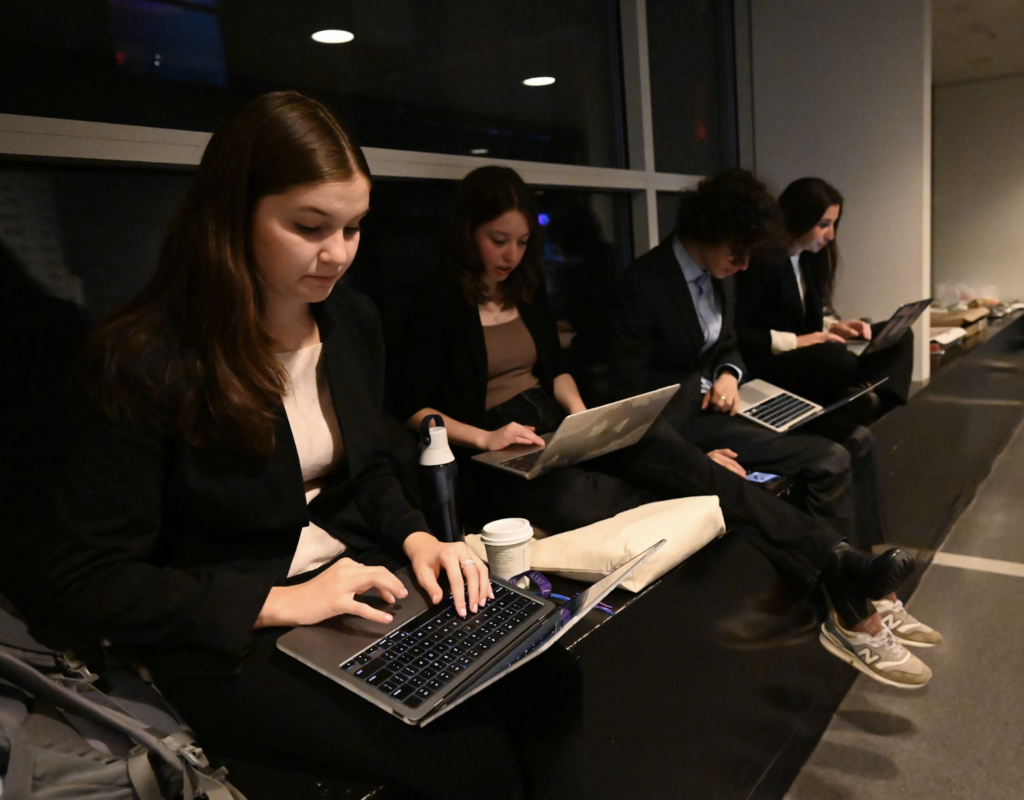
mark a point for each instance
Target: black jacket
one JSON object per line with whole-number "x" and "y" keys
{"x": 768, "y": 299}
{"x": 165, "y": 545}
{"x": 655, "y": 333}
{"x": 446, "y": 358}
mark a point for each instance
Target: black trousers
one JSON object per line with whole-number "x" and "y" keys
{"x": 277, "y": 707}
{"x": 826, "y": 468}
{"x": 825, "y": 372}
{"x": 797, "y": 545}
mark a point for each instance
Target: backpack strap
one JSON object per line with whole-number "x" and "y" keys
{"x": 20, "y": 767}
{"x": 177, "y": 749}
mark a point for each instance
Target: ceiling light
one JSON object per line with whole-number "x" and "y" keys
{"x": 479, "y": 151}
{"x": 333, "y": 37}
{"x": 538, "y": 81}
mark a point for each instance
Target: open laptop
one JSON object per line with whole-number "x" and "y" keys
{"x": 583, "y": 436}
{"x": 773, "y": 407}
{"x": 898, "y": 324}
{"x": 428, "y": 660}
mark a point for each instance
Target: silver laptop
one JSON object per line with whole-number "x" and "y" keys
{"x": 898, "y": 324}
{"x": 428, "y": 660}
{"x": 781, "y": 411}
{"x": 583, "y": 436}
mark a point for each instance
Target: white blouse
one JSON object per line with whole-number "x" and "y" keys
{"x": 318, "y": 441}
{"x": 783, "y": 341}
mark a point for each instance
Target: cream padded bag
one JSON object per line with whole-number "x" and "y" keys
{"x": 589, "y": 553}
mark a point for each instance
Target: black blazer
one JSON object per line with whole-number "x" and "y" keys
{"x": 167, "y": 545}
{"x": 655, "y": 333}
{"x": 768, "y": 299}
{"x": 445, "y": 357}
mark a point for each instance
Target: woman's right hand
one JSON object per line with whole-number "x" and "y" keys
{"x": 727, "y": 458}
{"x": 513, "y": 433}
{"x": 819, "y": 337}
{"x": 329, "y": 594}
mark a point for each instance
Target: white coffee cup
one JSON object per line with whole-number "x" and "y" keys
{"x": 508, "y": 546}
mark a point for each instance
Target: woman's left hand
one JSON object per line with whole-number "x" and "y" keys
{"x": 464, "y": 570}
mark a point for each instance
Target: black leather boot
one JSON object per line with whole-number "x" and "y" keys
{"x": 875, "y": 577}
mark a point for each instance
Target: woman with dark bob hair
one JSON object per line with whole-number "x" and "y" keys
{"x": 230, "y": 480}
{"x": 788, "y": 331}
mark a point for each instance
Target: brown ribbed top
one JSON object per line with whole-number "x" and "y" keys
{"x": 511, "y": 355}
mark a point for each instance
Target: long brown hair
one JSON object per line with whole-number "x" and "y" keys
{"x": 803, "y": 203}
{"x": 483, "y": 195}
{"x": 190, "y": 352}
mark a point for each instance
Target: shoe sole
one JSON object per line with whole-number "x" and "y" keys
{"x": 911, "y": 642}
{"x": 843, "y": 654}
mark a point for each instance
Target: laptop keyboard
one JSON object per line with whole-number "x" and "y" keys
{"x": 779, "y": 410}
{"x": 523, "y": 463}
{"x": 418, "y": 659}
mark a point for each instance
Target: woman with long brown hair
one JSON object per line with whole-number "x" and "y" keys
{"x": 230, "y": 476}
{"x": 789, "y": 332}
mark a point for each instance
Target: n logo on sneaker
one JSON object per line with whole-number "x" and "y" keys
{"x": 891, "y": 622}
{"x": 868, "y": 657}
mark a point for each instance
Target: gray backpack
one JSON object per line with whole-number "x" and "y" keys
{"x": 61, "y": 737}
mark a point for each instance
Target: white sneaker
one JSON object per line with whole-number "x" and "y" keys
{"x": 879, "y": 657}
{"x": 907, "y": 629}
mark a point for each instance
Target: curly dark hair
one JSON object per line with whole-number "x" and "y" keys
{"x": 484, "y": 195}
{"x": 803, "y": 203}
{"x": 732, "y": 208}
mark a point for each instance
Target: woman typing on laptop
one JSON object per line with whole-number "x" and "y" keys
{"x": 482, "y": 349}
{"x": 230, "y": 479}
{"x": 787, "y": 331}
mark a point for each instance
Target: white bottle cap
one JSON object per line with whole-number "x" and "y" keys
{"x": 437, "y": 452}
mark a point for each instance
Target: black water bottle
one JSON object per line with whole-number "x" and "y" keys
{"x": 438, "y": 481}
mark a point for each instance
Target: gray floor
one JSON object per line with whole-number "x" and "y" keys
{"x": 961, "y": 736}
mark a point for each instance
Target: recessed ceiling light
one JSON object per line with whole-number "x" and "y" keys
{"x": 333, "y": 37}
{"x": 538, "y": 81}
{"x": 479, "y": 151}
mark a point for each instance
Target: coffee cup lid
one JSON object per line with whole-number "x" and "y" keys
{"x": 511, "y": 530}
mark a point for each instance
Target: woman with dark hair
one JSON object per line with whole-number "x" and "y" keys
{"x": 788, "y": 331}
{"x": 484, "y": 353}
{"x": 482, "y": 350}
{"x": 230, "y": 477}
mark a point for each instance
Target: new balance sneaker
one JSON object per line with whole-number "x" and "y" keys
{"x": 879, "y": 657}
{"x": 907, "y": 629}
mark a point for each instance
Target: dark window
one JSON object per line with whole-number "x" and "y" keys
{"x": 429, "y": 75}
{"x": 693, "y": 91}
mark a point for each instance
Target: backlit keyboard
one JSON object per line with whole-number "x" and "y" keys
{"x": 418, "y": 659}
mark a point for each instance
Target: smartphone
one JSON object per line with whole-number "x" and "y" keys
{"x": 762, "y": 477}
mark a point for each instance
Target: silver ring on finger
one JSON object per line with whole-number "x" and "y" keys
{"x": 466, "y": 562}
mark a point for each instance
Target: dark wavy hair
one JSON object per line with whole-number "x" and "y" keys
{"x": 190, "y": 352}
{"x": 482, "y": 196}
{"x": 732, "y": 208}
{"x": 803, "y": 203}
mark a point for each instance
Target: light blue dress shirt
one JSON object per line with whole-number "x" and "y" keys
{"x": 707, "y": 303}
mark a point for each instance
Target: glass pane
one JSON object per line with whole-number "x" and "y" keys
{"x": 430, "y": 75}
{"x": 692, "y": 85}
{"x": 668, "y": 211}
